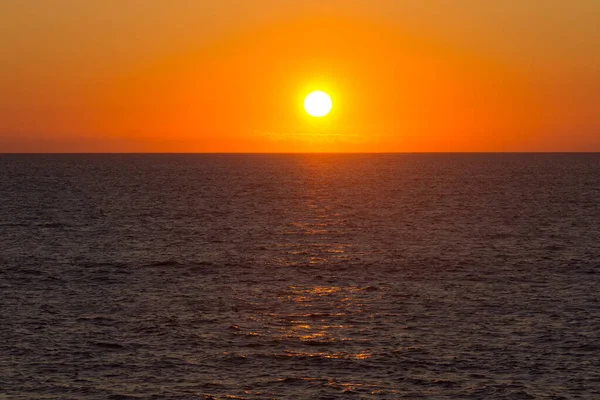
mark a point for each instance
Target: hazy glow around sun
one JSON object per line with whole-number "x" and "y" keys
{"x": 318, "y": 104}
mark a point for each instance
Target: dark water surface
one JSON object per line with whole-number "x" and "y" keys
{"x": 300, "y": 277}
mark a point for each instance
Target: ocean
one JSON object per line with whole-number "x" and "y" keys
{"x": 392, "y": 276}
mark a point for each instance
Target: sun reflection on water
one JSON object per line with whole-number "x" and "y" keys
{"x": 313, "y": 311}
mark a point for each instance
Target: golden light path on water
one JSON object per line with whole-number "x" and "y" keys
{"x": 323, "y": 317}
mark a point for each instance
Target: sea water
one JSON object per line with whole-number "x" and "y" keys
{"x": 300, "y": 276}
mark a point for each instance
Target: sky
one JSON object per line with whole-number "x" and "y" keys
{"x": 231, "y": 75}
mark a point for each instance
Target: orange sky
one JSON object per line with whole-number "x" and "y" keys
{"x": 230, "y": 75}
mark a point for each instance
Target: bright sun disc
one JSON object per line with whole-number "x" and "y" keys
{"x": 318, "y": 104}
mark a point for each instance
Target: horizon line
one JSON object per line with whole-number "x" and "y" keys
{"x": 299, "y": 153}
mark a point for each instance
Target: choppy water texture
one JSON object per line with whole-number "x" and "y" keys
{"x": 300, "y": 277}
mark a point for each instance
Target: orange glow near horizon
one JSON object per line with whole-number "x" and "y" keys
{"x": 397, "y": 93}
{"x": 396, "y": 88}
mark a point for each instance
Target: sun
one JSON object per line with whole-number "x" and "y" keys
{"x": 318, "y": 104}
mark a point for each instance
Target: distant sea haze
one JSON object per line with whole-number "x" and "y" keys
{"x": 448, "y": 276}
